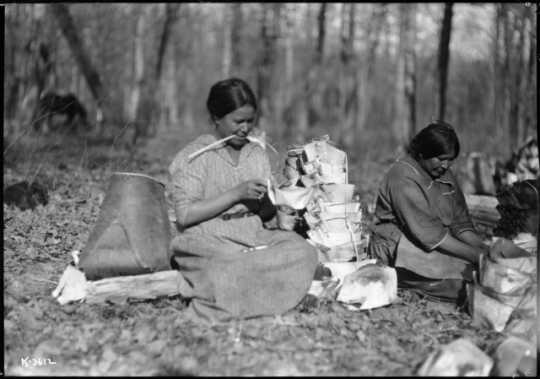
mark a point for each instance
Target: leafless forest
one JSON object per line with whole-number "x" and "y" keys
{"x": 361, "y": 72}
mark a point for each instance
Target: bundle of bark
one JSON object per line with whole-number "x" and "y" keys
{"x": 333, "y": 218}
{"x": 335, "y": 221}
{"x": 358, "y": 285}
{"x": 503, "y": 296}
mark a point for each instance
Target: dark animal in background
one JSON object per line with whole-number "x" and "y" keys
{"x": 51, "y": 104}
{"x": 26, "y": 196}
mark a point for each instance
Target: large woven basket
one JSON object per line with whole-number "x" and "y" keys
{"x": 132, "y": 233}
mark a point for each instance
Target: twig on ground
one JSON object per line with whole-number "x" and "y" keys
{"x": 43, "y": 280}
{"x": 85, "y": 152}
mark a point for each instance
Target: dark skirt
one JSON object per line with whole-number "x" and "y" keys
{"x": 435, "y": 275}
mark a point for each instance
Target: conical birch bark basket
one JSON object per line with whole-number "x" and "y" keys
{"x": 132, "y": 233}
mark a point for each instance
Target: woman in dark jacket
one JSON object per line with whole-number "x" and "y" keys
{"x": 423, "y": 227}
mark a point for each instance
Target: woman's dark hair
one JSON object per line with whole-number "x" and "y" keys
{"x": 438, "y": 138}
{"x": 228, "y": 95}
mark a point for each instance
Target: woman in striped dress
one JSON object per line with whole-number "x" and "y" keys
{"x": 236, "y": 267}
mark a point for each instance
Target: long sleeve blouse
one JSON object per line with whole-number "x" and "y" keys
{"x": 427, "y": 210}
{"x": 210, "y": 174}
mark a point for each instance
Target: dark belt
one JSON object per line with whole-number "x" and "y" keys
{"x": 230, "y": 216}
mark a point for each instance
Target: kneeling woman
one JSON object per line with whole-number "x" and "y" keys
{"x": 423, "y": 227}
{"x": 235, "y": 266}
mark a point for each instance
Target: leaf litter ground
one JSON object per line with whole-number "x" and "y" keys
{"x": 154, "y": 337}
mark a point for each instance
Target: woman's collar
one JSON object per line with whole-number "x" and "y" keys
{"x": 415, "y": 165}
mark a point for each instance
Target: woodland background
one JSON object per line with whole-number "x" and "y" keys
{"x": 367, "y": 74}
{"x": 361, "y": 72}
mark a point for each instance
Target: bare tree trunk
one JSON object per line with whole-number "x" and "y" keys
{"x": 352, "y": 74}
{"x": 405, "y": 101}
{"x": 276, "y": 80}
{"x": 289, "y": 60}
{"x": 299, "y": 107}
{"x": 351, "y": 59}
{"x": 269, "y": 33}
{"x": 314, "y": 99}
{"x": 303, "y": 97}
{"x": 65, "y": 21}
{"x": 347, "y": 79}
{"x": 138, "y": 67}
{"x": 12, "y": 76}
{"x": 519, "y": 68}
{"x": 410, "y": 75}
{"x": 41, "y": 64}
{"x": 322, "y": 32}
{"x": 530, "y": 90}
{"x": 265, "y": 58}
{"x": 341, "y": 71}
{"x": 171, "y": 94}
{"x": 236, "y": 37}
{"x": 226, "y": 55}
{"x": 507, "y": 36}
{"x": 498, "y": 82}
{"x": 147, "y": 105}
{"x": 29, "y": 61}
{"x": 444, "y": 57}
{"x": 171, "y": 16}
{"x": 367, "y": 66}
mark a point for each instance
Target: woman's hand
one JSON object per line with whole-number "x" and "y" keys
{"x": 473, "y": 239}
{"x": 206, "y": 209}
{"x": 460, "y": 249}
{"x": 250, "y": 189}
{"x": 505, "y": 248}
{"x": 286, "y": 217}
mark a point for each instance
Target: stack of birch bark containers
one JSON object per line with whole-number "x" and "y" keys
{"x": 333, "y": 215}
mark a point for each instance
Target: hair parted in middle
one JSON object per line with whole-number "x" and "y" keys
{"x": 228, "y": 95}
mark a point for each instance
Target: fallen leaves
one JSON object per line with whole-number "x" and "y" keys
{"x": 156, "y": 338}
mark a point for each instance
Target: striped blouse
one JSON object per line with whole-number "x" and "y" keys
{"x": 210, "y": 174}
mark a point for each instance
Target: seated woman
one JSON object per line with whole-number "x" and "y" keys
{"x": 422, "y": 225}
{"x": 235, "y": 266}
